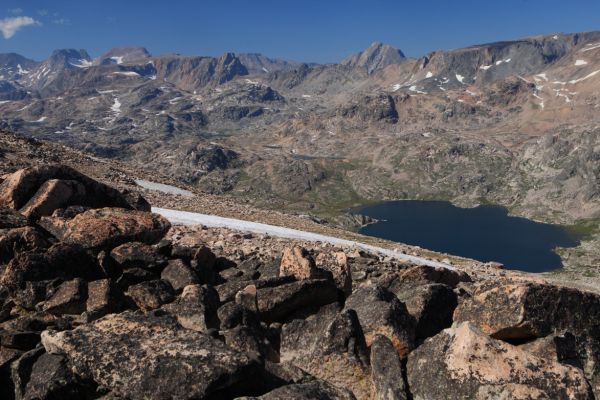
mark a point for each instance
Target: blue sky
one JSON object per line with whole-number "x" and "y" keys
{"x": 307, "y": 30}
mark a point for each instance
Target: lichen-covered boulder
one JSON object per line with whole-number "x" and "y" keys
{"x": 67, "y": 187}
{"x": 380, "y": 312}
{"x": 107, "y": 227}
{"x": 464, "y": 363}
{"x": 140, "y": 356}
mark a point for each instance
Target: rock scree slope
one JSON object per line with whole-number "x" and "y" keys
{"x": 107, "y": 300}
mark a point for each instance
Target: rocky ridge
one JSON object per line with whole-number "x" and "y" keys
{"x": 100, "y": 298}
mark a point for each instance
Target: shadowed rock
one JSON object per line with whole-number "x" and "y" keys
{"x": 104, "y": 297}
{"x": 275, "y": 303}
{"x": 331, "y": 346}
{"x": 17, "y": 240}
{"x": 179, "y": 274}
{"x": 307, "y": 391}
{"x": 431, "y": 305}
{"x": 525, "y": 311}
{"x": 386, "y": 370}
{"x": 20, "y": 187}
{"x": 70, "y": 298}
{"x": 157, "y": 358}
{"x": 196, "y": 308}
{"x": 380, "y": 312}
{"x": 151, "y": 294}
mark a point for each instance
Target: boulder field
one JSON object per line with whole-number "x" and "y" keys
{"x": 98, "y": 301}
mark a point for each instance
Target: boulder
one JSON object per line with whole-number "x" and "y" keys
{"x": 32, "y": 271}
{"x": 331, "y": 346}
{"x": 296, "y": 261}
{"x": 465, "y": 363}
{"x": 580, "y": 351}
{"x": 423, "y": 274}
{"x": 380, "y": 312}
{"x": 157, "y": 358}
{"x": 17, "y": 240}
{"x": 52, "y": 195}
{"x": 307, "y": 391}
{"x": 19, "y": 340}
{"x": 386, "y": 370}
{"x": 10, "y": 219}
{"x": 276, "y": 303}
{"x": 19, "y": 187}
{"x": 337, "y": 264}
{"x": 526, "y": 310}
{"x": 138, "y": 255}
{"x": 432, "y": 306}
{"x": 69, "y": 298}
{"x": 38, "y": 375}
{"x": 196, "y": 308}
{"x": 107, "y": 227}
{"x": 104, "y": 297}
{"x": 179, "y": 274}
{"x": 151, "y": 294}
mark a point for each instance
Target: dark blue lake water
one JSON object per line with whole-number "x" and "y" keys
{"x": 484, "y": 233}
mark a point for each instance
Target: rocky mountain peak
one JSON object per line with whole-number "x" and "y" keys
{"x": 68, "y": 58}
{"x": 120, "y": 55}
{"x": 228, "y": 66}
{"x": 374, "y": 57}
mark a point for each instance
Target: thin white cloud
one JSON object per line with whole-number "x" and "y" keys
{"x": 15, "y": 11}
{"x": 42, "y": 12}
{"x": 10, "y": 25}
{"x": 61, "y": 21}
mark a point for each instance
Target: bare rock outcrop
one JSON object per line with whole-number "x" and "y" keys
{"x": 463, "y": 362}
{"x": 157, "y": 358}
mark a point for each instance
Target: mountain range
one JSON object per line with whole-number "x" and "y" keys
{"x": 513, "y": 122}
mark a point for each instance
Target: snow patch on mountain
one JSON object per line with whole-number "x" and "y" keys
{"x": 590, "y": 46}
{"x": 81, "y": 63}
{"x": 116, "y": 107}
{"x": 161, "y": 187}
{"x": 126, "y": 73}
{"x": 189, "y": 218}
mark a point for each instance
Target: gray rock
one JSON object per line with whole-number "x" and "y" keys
{"x": 464, "y": 363}
{"x": 196, "y": 308}
{"x": 307, "y": 391}
{"x": 380, "y": 312}
{"x": 157, "y": 358}
{"x": 179, "y": 274}
{"x": 69, "y": 298}
{"x": 331, "y": 346}
{"x": 151, "y": 294}
{"x": 386, "y": 370}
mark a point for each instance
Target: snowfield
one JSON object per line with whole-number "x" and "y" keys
{"x": 161, "y": 187}
{"x": 189, "y": 218}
